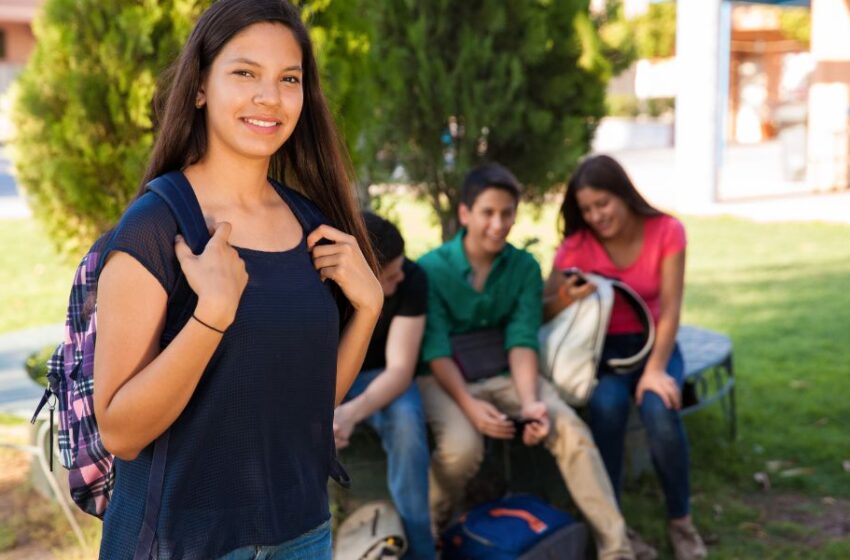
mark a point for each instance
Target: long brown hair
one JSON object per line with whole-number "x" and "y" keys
{"x": 605, "y": 174}
{"x": 313, "y": 159}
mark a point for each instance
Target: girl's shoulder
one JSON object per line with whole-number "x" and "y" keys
{"x": 305, "y": 209}
{"x": 146, "y": 231}
{"x": 665, "y": 222}
{"x": 667, "y": 231}
{"x": 149, "y": 211}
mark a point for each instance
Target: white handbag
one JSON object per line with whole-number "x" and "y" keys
{"x": 372, "y": 531}
{"x": 571, "y": 343}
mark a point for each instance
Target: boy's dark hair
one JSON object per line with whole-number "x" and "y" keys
{"x": 488, "y": 176}
{"x": 387, "y": 241}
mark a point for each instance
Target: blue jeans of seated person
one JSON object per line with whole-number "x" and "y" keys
{"x": 609, "y": 414}
{"x": 312, "y": 545}
{"x": 401, "y": 427}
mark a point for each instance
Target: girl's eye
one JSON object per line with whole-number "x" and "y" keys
{"x": 244, "y": 73}
{"x": 291, "y": 80}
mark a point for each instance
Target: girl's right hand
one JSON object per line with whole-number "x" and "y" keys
{"x": 217, "y": 275}
{"x": 662, "y": 384}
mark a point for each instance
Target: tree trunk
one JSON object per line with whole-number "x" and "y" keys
{"x": 449, "y": 223}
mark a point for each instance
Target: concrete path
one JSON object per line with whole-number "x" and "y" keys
{"x": 751, "y": 186}
{"x": 12, "y": 205}
{"x": 18, "y": 393}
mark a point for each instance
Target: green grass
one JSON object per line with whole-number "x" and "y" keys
{"x": 34, "y": 280}
{"x": 10, "y": 420}
{"x": 779, "y": 290}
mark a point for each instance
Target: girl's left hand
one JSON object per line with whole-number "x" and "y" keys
{"x": 663, "y": 385}
{"x": 343, "y": 262}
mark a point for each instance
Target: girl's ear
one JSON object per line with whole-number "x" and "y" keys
{"x": 200, "y": 98}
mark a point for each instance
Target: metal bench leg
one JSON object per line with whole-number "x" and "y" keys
{"x": 733, "y": 424}
{"x": 733, "y": 412}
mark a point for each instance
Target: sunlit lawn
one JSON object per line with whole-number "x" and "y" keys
{"x": 781, "y": 291}
{"x": 34, "y": 281}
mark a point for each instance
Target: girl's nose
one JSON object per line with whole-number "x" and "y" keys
{"x": 267, "y": 94}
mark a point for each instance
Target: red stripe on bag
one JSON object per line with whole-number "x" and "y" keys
{"x": 534, "y": 523}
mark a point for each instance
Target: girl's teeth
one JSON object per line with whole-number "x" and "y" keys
{"x": 261, "y": 123}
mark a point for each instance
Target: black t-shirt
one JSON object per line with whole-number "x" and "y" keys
{"x": 409, "y": 300}
{"x": 249, "y": 457}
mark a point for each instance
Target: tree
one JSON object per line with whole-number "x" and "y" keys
{"x": 796, "y": 24}
{"x": 83, "y": 109}
{"x": 82, "y": 112}
{"x": 520, "y": 82}
{"x": 655, "y": 31}
{"x": 617, "y": 35}
{"x": 342, "y": 34}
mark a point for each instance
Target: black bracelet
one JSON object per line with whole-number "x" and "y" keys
{"x": 195, "y": 317}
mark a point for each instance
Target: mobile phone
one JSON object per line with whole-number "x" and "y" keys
{"x": 520, "y": 423}
{"x": 575, "y": 271}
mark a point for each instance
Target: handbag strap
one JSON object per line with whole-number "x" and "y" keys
{"x": 644, "y": 315}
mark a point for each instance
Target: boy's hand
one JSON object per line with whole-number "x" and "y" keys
{"x": 488, "y": 419}
{"x": 343, "y": 425}
{"x": 536, "y": 431}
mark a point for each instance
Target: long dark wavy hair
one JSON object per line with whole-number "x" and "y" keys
{"x": 603, "y": 173}
{"x": 313, "y": 159}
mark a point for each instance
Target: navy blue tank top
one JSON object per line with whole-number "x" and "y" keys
{"x": 250, "y": 455}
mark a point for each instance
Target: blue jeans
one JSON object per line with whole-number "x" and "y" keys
{"x": 668, "y": 444}
{"x": 312, "y": 545}
{"x": 401, "y": 427}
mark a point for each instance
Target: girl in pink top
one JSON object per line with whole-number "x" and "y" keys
{"x": 610, "y": 229}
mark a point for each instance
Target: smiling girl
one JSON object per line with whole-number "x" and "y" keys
{"x": 610, "y": 229}
{"x": 246, "y": 389}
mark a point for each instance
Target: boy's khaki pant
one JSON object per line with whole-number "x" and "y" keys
{"x": 460, "y": 450}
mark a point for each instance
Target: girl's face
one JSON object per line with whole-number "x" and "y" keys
{"x": 253, "y": 92}
{"x": 606, "y": 213}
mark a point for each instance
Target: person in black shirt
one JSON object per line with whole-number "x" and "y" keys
{"x": 244, "y": 393}
{"x": 383, "y": 394}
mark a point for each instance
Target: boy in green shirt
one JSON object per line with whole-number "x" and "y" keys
{"x": 480, "y": 282}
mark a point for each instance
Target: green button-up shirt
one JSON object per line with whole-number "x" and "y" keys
{"x": 511, "y": 298}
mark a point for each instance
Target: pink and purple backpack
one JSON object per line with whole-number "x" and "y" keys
{"x": 70, "y": 371}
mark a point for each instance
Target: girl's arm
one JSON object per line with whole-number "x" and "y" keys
{"x": 343, "y": 262}
{"x": 140, "y": 391}
{"x": 672, "y": 292}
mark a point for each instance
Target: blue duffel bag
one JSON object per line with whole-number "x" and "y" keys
{"x": 521, "y": 527}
